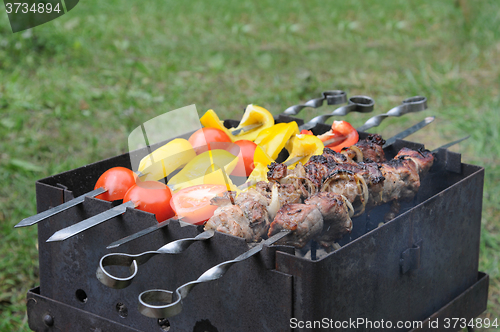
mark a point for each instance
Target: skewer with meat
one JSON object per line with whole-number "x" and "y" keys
{"x": 328, "y": 188}
{"x": 245, "y": 216}
{"x": 368, "y": 149}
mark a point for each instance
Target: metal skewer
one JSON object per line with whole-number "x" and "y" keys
{"x": 77, "y": 228}
{"x": 148, "y": 300}
{"x": 133, "y": 261}
{"x": 428, "y": 120}
{"x": 246, "y": 128}
{"x": 388, "y": 143}
{"x": 161, "y": 224}
{"x": 332, "y": 97}
{"x": 57, "y": 209}
{"x": 151, "y": 229}
{"x": 409, "y": 131}
{"x": 361, "y": 104}
{"x": 450, "y": 144}
{"x": 409, "y": 105}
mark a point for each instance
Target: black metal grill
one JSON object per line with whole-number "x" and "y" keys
{"x": 424, "y": 262}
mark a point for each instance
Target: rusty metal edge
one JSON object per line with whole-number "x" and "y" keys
{"x": 468, "y": 305}
{"x": 45, "y": 314}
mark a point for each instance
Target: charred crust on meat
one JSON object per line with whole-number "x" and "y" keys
{"x": 276, "y": 171}
{"x": 337, "y": 172}
{"x": 375, "y": 139}
{"x": 318, "y": 159}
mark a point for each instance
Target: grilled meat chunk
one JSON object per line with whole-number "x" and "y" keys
{"x": 353, "y": 180}
{"x": 304, "y": 220}
{"x": 367, "y": 150}
{"x": 332, "y": 186}
{"x": 245, "y": 216}
{"x": 287, "y": 192}
{"x": 371, "y": 147}
{"x": 231, "y": 220}
{"x": 276, "y": 171}
{"x": 423, "y": 158}
{"x": 335, "y": 210}
{"x": 402, "y": 175}
{"x": 227, "y": 198}
{"x": 401, "y": 180}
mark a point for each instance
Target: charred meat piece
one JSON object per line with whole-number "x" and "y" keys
{"x": 371, "y": 147}
{"x": 401, "y": 180}
{"x": 227, "y": 198}
{"x": 335, "y": 210}
{"x": 287, "y": 192}
{"x": 253, "y": 195}
{"x": 304, "y": 220}
{"x": 423, "y": 158}
{"x": 402, "y": 175}
{"x": 276, "y": 171}
{"x": 247, "y": 217}
{"x": 231, "y": 220}
{"x": 339, "y": 158}
{"x": 353, "y": 180}
{"x": 367, "y": 150}
{"x": 264, "y": 188}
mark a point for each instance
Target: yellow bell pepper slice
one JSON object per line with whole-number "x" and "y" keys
{"x": 195, "y": 171}
{"x": 211, "y": 119}
{"x": 254, "y": 115}
{"x": 166, "y": 159}
{"x": 261, "y": 157}
{"x": 302, "y": 147}
{"x": 273, "y": 139}
{"x": 219, "y": 176}
{"x": 258, "y": 174}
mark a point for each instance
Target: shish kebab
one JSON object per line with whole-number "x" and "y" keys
{"x": 159, "y": 303}
{"x": 401, "y": 135}
{"x": 318, "y": 199}
{"x": 359, "y": 103}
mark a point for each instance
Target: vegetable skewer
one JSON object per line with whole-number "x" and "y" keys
{"x": 149, "y": 196}
{"x": 114, "y": 183}
{"x": 153, "y": 228}
{"x": 389, "y": 142}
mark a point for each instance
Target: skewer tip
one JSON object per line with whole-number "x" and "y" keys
{"x": 429, "y": 119}
{"x": 57, "y": 237}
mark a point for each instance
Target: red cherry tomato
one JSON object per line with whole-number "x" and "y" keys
{"x": 193, "y": 203}
{"x": 344, "y": 131}
{"x": 153, "y": 197}
{"x": 117, "y": 181}
{"x": 245, "y": 155}
{"x": 208, "y": 138}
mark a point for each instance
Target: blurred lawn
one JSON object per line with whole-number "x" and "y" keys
{"x": 72, "y": 89}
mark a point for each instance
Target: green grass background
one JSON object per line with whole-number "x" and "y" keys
{"x": 72, "y": 89}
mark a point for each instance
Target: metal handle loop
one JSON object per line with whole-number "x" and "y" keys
{"x": 409, "y": 105}
{"x": 332, "y": 97}
{"x": 361, "y": 104}
{"x": 133, "y": 261}
{"x": 159, "y": 303}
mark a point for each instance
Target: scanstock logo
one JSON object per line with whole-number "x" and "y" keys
{"x": 25, "y": 14}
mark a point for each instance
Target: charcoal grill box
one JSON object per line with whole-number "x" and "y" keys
{"x": 421, "y": 264}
